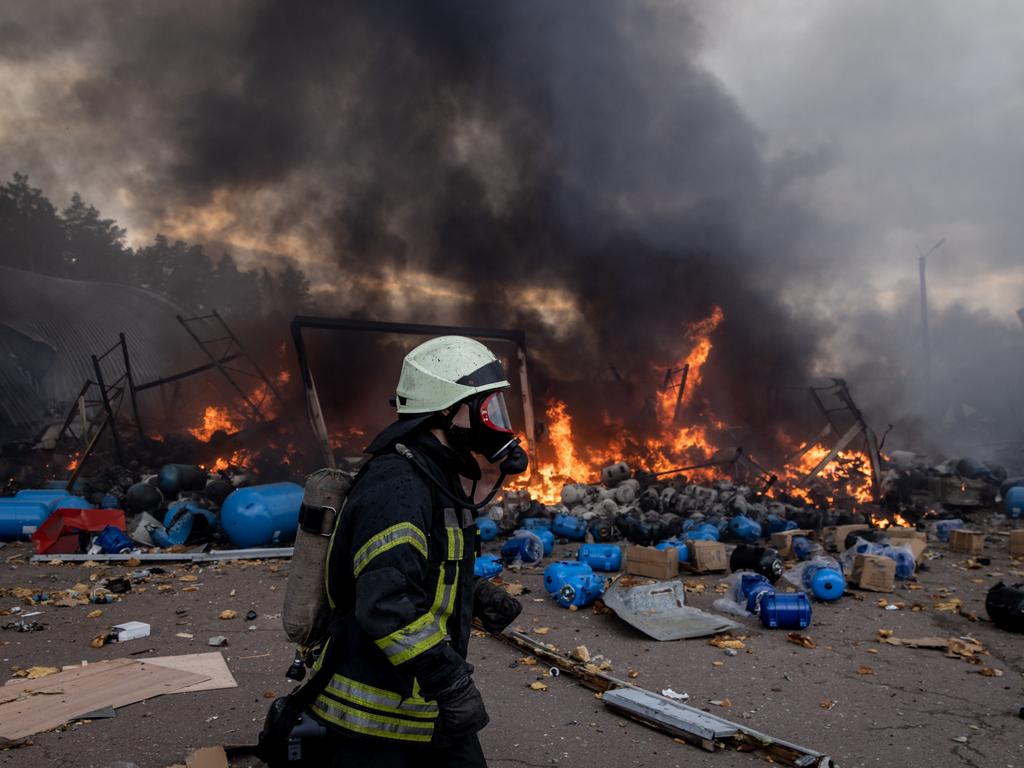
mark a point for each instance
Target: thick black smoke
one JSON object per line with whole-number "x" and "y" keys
{"x": 559, "y": 167}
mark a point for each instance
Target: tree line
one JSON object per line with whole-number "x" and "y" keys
{"x": 79, "y": 243}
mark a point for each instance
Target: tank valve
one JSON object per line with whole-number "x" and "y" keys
{"x": 297, "y": 671}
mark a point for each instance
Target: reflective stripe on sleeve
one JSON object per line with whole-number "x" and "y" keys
{"x": 428, "y": 630}
{"x": 396, "y": 535}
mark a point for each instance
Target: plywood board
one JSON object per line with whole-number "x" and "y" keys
{"x": 211, "y": 665}
{"x": 52, "y": 701}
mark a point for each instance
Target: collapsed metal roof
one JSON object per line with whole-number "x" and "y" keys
{"x": 50, "y": 327}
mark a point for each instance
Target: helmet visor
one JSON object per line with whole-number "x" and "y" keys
{"x": 494, "y": 413}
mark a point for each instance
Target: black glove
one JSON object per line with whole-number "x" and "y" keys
{"x": 461, "y": 708}
{"x": 495, "y": 607}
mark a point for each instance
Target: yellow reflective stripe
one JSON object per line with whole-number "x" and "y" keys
{"x": 456, "y": 546}
{"x": 370, "y": 724}
{"x": 368, "y": 696}
{"x": 400, "y": 533}
{"x": 426, "y": 631}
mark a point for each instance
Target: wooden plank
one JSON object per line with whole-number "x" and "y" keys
{"x": 52, "y": 701}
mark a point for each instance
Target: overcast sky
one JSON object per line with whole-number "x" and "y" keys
{"x": 912, "y": 113}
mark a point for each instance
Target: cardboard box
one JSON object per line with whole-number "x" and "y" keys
{"x": 898, "y": 533}
{"x": 706, "y": 556}
{"x": 834, "y": 537}
{"x": 967, "y": 542}
{"x": 874, "y": 573}
{"x": 652, "y": 563}
{"x": 1017, "y": 542}
{"x": 784, "y": 541}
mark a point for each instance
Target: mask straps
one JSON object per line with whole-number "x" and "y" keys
{"x": 413, "y": 459}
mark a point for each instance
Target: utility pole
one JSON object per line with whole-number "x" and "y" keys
{"x": 922, "y": 261}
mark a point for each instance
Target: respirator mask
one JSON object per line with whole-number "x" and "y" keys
{"x": 490, "y": 433}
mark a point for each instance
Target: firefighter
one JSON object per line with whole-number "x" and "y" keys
{"x": 399, "y": 570}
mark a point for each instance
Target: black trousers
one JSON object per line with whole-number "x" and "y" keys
{"x": 381, "y": 753}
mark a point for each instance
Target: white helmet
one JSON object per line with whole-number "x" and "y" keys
{"x": 439, "y": 373}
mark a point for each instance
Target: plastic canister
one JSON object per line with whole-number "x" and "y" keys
{"x": 750, "y": 588}
{"x": 53, "y": 498}
{"x": 19, "y": 518}
{"x": 1014, "y": 502}
{"x": 704, "y": 532}
{"x": 535, "y": 523}
{"x": 569, "y": 527}
{"x": 487, "y": 566}
{"x": 776, "y": 524}
{"x": 601, "y": 557}
{"x": 824, "y": 582}
{"x": 525, "y": 546}
{"x": 684, "y": 551}
{"x": 262, "y": 514}
{"x": 743, "y": 528}
{"x": 804, "y": 548}
{"x": 113, "y": 541}
{"x": 905, "y": 563}
{"x": 790, "y": 610}
{"x": 547, "y": 538}
{"x": 487, "y": 527}
{"x": 555, "y": 575}
{"x": 944, "y": 527}
{"x": 580, "y": 589}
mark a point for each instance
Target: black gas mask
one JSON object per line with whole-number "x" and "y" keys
{"x": 490, "y": 433}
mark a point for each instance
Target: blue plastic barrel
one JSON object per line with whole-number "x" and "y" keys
{"x": 601, "y": 557}
{"x": 776, "y": 524}
{"x": 262, "y": 514}
{"x": 791, "y": 610}
{"x": 905, "y": 563}
{"x": 750, "y": 588}
{"x": 525, "y": 546}
{"x": 535, "y": 523}
{"x": 547, "y": 538}
{"x": 684, "y": 551}
{"x": 174, "y": 478}
{"x": 487, "y": 527}
{"x": 487, "y": 566}
{"x": 53, "y": 498}
{"x": 804, "y": 548}
{"x": 826, "y": 583}
{"x": 580, "y": 589}
{"x": 744, "y": 529}
{"x": 19, "y": 518}
{"x": 1014, "y": 502}
{"x": 569, "y": 527}
{"x": 704, "y": 532}
{"x": 556, "y": 574}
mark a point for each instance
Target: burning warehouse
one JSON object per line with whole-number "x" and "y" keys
{"x": 607, "y": 340}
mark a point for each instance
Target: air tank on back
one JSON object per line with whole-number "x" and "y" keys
{"x": 262, "y": 514}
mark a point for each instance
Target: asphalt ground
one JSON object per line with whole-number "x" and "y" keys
{"x": 860, "y": 701}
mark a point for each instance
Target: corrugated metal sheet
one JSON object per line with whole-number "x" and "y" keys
{"x": 50, "y": 327}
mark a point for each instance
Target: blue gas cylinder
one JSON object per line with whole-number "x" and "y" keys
{"x": 487, "y": 566}
{"x": 19, "y": 518}
{"x": 174, "y": 478}
{"x": 776, "y": 524}
{"x": 525, "y": 546}
{"x": 113, "y": 541}
{"x": 804, "y": 548}
{"x": 905, "y": 563}
{"x": 944, "y": 527}
{"x": 262, "y": 514}
{"x": 1014, "y": 502}
{"x": 569, "y": 527}
{"x": 825, "y": 582}
{"x": 601, "y": 557}
{"x": 580, "y": 589}
{"x": 790, "y": 610}
{"x": 53, "y": 498}
{"x": 556, "y": 573}
{"x": 750, "y": 588}
{"x": 704, "y": 532}
{"x": 487, "y": 527}
{"x": 535, "y": 523}
{"x": 547, "y": 538}
{"x": 744, "y": 529}
{"x": 683, "y": 550}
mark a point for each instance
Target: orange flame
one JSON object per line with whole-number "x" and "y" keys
{"x": 214, "y": 418}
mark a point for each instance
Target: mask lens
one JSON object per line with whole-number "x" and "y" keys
{"x": 494, "y": 413}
